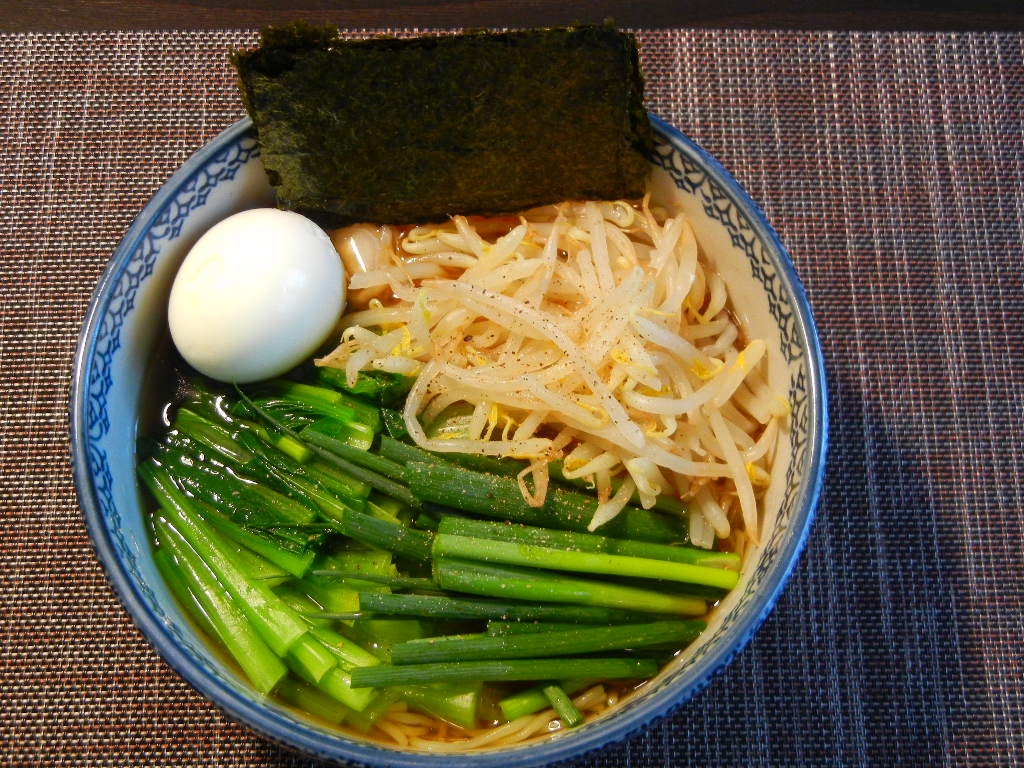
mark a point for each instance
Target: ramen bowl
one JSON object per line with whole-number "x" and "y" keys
{"x": 126, "y": 326}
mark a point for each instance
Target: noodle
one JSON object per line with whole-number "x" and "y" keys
{"x": 593, "y": 700}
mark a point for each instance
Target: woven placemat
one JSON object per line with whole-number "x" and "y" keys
{"x": 891, "y": 164}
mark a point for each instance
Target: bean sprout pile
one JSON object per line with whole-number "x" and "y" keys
{"x": 596, "y": 334}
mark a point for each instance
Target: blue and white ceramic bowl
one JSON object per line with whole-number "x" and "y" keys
{"x": 127, "y": 321}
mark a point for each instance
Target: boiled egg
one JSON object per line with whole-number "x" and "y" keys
{"x": 256, "y": 295}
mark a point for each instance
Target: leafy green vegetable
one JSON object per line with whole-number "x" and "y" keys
{"x": 556, "y": 642}
{"x": 503, "y": 670}
{"x": 303, "y": 555}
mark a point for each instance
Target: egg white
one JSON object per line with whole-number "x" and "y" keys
{"x": 256, "y": 295}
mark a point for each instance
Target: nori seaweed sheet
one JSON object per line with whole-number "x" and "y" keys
{"x": 397, "y": 131}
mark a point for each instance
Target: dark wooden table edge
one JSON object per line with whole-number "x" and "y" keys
{"x": 80, "y": 16}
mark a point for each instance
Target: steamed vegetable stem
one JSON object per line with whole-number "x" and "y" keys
{"x": 348, "y": 578}
{"x": 507, "y": 671}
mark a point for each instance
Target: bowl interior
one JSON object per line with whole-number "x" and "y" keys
{"x": 127, "y": 321}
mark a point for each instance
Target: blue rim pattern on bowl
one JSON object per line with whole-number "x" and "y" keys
{"x": 693, "y": 171}
{"x": 130, "y": 267}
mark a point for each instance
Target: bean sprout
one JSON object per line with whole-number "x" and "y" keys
{"x": 596, "y": 333}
